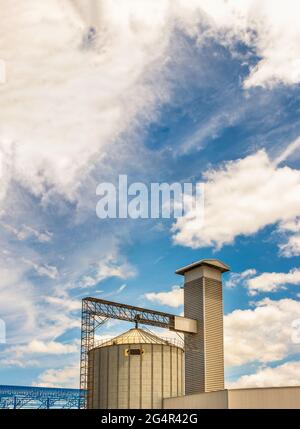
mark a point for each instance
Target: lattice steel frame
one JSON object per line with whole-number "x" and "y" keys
{"x": 95, "y": 312}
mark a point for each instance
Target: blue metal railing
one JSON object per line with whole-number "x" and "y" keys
{"x": 16, "y": 397}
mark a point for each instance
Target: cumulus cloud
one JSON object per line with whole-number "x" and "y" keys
{"x": 262, "y": 334}
{"x": 241, "y": 198}
{"x": 291, "y": 230}
{"x": 265, "y": 282}
{"x": 172, "y": 298}
{"x": 236, "y": 278}
{"x": 38, "y": 347}
{"x": 291, "y": 247}
{"x": 65, "y": 377}
{"x": 271, "y": 282}
{"x": 269, "y": 27}
{"x": 287, "y": 374}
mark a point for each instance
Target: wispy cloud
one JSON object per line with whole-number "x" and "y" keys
{"x": 26, "y": 232}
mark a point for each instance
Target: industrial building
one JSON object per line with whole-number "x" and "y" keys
{"x": 140, "y": 370}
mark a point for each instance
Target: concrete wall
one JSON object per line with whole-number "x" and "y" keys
{"x": 211, "y": 400}
{"x": 278, "y": 397}
{"x": 258, "y": 398}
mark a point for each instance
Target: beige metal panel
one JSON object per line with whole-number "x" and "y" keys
{"x": 96, "y": 382}
{"x": 184, "y": 324}
{"x": 90, "y": 379}
{"x": 194, "y": 343}
{"x": 212, "y": 400}
{"x": 134, "y": 379}
{"x": 265, "y": 398}
{"x": 204, "y": 357}
{"x": 204, "y": 271}
{"x": 157, "y": 371}
{"x": 103, "y": 381}
{"x": 123, "y": 370}
{"x": 167, "y": 371}
{"x": 147, "y": 386}
{"x": 213, "y": 331}
{"x": 112, "y": 388}
{"x": 174, "y": 371}
{"x": 214, "y": 263}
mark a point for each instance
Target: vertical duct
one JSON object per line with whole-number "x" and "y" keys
{"x": 203, "y": 301}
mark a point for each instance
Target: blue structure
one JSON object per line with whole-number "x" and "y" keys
{"x": 16, "y": 397}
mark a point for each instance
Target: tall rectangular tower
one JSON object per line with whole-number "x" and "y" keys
{"x": 203, "y": 301}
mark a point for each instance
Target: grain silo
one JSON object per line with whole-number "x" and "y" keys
{"x": 134, "y": 370}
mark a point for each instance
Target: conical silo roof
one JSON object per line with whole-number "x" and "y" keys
{"x": 135, "y": 336}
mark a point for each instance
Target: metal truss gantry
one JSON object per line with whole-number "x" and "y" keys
{"x": 95, "y": 312}
{"x": 16, "y": 397}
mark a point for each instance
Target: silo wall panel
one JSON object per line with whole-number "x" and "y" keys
{"x": 147, "y": 376}
{"x": 103, "y": 381}
{"x": 174, "y": 371}
{"x": 166, "y": 371}
{"x": 135, "y": 380}
{"x": 95, "y": 384}
{"x": 157, "y": 389}
{"x": 123, "y": 378}
{"x": 113, "y": 377}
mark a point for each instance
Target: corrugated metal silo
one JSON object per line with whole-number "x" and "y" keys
{"x": 134, "y": 370}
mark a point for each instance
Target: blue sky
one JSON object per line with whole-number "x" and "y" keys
{"x": 166, "y": 93}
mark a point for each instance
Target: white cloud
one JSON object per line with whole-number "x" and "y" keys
{"x": 262, "y": 334}
{"x": 236, "y": 278}
{"x": 17, "y": 297}
{"x": 290, "y": 150}
{"x": 43, "y": 269}
{"x": 109, "y": 266}
{"x": 292, "y": 247}
{"x": 29, "y": 315}
{"x": 241, "y": 198}
{"x": 65, "y": 303}
{"x": 25, "y": 232}
{"x": 65, "y": 377}
{"x": 19, "y": 363}
{"x": 44, "y": 347}
{"x": 291, "y": 230}
{"x": 271, "y": 282}
{"x": 270, "y": 27}
{"x": 172, "y": 298}
{"x": 56, "y": 80}
{"x": 265, "y": 282}
{"x": 72, "y": 102}
{"x": 287, "y": 374}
